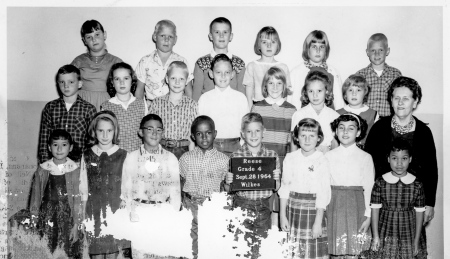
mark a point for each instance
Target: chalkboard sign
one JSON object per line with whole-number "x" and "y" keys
{"x": 252, "y": 173}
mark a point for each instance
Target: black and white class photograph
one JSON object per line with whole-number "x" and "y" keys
{"x": 254, "y": 129}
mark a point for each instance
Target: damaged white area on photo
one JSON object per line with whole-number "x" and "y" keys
{"x": 222, "y": 233}
{"x": 160, "y": 231}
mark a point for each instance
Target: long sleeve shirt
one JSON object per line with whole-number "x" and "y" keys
{"x": 75, "y": 121}
{"x": 306, "y": 174}
{"x": 351, "y": 166}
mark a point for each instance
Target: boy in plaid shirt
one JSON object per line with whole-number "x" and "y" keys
{"x": 69, "y": 112}
{"x": 256, "y": 202}
{"x": 378, "y": 74}
{"x": 203, "y": 170}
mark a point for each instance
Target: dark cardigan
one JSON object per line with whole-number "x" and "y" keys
{"x": 423, "y": 164}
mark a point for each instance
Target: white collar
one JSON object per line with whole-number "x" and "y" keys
{"x": 61, "y": 169}
{"x": 116, "y": 100}
{"x": 356, "y": 111}
{"x": 407, "y": 179}
{"x": 98, "y": 151}
{"x": 213, "y": 54}
{"x": 270, "y": 100}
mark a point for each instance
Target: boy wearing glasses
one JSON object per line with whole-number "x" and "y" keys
{"x": 150, "y": 174}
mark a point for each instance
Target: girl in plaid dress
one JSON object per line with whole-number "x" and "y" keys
{"x": 398, "y": 205}
{"x": 304, "y": 194}
{"x": 128, "y": 109}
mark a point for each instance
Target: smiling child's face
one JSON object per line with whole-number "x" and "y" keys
{"x": 176, "y": 79}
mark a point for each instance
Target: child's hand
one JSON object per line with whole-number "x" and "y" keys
{"x": 365, "y": 225}
{"x": 74, "y": 233}
{"x": 284, "y": 222}
{"x": 276, "y": 174}
{"x": 123, "y": 204}
{"x": 416, "y": 247}
{"x": 375, "y": 243}
{"x": 316, "y": 230}
{"x": 229, "y": 178}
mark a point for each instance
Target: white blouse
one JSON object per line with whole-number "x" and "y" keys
{"x": 306, "y": 174}
{"x": 352, "y": 166}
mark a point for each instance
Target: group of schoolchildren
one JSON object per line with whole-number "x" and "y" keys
{"x": 116, "y": 134}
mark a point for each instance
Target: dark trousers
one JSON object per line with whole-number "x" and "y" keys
{"x": 191, "y": 203}
{"x": 257, "y": 227}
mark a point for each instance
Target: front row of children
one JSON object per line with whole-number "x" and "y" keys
{"x": 310, "y": 190}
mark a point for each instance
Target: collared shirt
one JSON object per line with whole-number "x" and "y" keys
{"x": 116, "y": 100}
{"x": 226, "y": 108}
{"x": 203, "y": 172}
{"x": 326, "y": 116}
{"x": 379, "y": 85}
{"x": 263, "y": 152}
{"x": 129, "y": 116}
{"x": 307, "y": 174}
{"x": 152, "y": 176}
{"x": 359, "y": 111}
{"x": 407, "y": 179}
{"x": 177, "y": 119}
{"x": 75, "y": 121}
{"x": 254, "y": 75}
{"x": 152, "y": 72}
{"x": 84, "y": 192}
{"x": 351, "y": 166}
{"x": 60, "y": 169}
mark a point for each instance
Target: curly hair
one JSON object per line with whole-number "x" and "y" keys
{"x": 360, "y": 123}
{"x": 317, "y": 75}
{"x": 110, "y": 81}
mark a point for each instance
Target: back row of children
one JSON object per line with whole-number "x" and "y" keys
{"x": 164, "y": 71}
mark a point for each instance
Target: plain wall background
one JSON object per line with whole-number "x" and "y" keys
{"x": 42, "y": 39}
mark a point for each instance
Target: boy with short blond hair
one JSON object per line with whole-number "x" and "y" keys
{"x": 176, "y": 110}
{"x": 220, "y": 34}
{"x": 152, "y": 69}
{"x": 69, "y": 112}
{"x": 256, "y": 202}
{"x": 378, "y": 74}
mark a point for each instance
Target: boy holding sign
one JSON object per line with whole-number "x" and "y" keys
{"x": 255, "y": 201}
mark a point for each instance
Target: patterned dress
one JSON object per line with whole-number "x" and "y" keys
{"x": 55, "y": 208}
{"x": 104, "y": 177}
{"x": 397, "y": 219}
